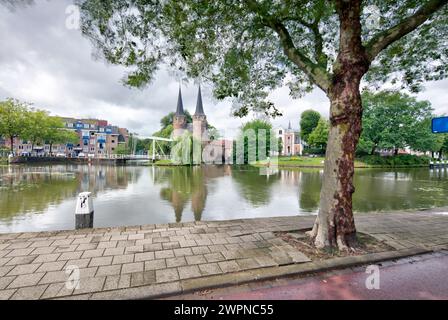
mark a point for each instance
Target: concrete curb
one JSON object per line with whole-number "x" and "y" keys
{"x": 191, "y": 285}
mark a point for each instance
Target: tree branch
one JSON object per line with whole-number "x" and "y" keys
{"x": 382, "y": 40}
{"x": 317, "y": 73}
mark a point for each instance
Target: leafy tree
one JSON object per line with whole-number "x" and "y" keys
{"x": 394, "y": 120}
{"x": 280, "y": 146}
{"x": 54, "y": 132}
{"x": 423, "y": 139}
{"x": 444, "y": 148}
{"x": 249, "y": 47}
{"x": 122, "y": 149}
{"x": 308, "y": 122}
{"x": 255, "y": 127}
{"x": 319, "y": 136}
{"x": 35, "y": 127}
{"x": 12, "y": 119}
{"x": 167, "y": 120}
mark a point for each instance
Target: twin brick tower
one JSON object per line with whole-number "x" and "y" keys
{"x": 199, "y": 127}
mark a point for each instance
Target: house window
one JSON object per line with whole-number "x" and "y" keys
{"x": 113, "y": 149}
{"x": 280, "y": 132}
{"x": 113, "y": 141}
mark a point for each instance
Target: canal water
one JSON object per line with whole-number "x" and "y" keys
{"x": 37, "y": 198}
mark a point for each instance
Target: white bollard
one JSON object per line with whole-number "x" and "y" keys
{"x": 84, "y": 211}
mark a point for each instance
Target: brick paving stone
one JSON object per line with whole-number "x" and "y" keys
{"x": 217, "y": 248}
{"x": 200, "y": 250}
{"x": 155, "y": 264}
{"x": 29, "y": 293}
{"x": 125, "y": 258}
{"x": 161, "y": 239}
{"x": 164, "y": 254}
{"x": 152, "y": 247}
{"x": 117, "y": 282}
{"x": 47, "y": 257}
{"x": 51, "y": 266}
{"x": 80, "y": 263}
{"x": 229, "y": 266}
{"x": 6, "y": 294}
{"x": 167, "y": 275}
{"x": 19, "y": 252}
{"x": 5, "y": 269}
{"x": 100, "y": 261}
{"x": 176, "y": 262}
{"x": 43, "y": 250}
{"x": 19, "y": 245}
{"x": 133, "y": 249}
{"x": 87, "y": 246}
{"x": 186, "y": 272}
{"x": 170, "y": 245}
{"x": 5, "y": 281}
{"x": 4, "y": 261}
{"x": 54, "y": 276}
{"x": 113, "y": 251}
{"x": 143, "y": 278}
{"x": 26, "y": 280}
{"x": 248, "y": 263}
{"x": 92, "y": 253}
{"x": 107, "y": 244}
{"x": 265, "y": 261}
{"x": 90, "y": 285}
{"x": 70, "y": 255}
{"x": 20, "y": 260}
{"x": 142, "y": 242}
{"x": 181, "y": 252}
{"x": 214, "y": 257}
{"x": 196, "y": 259}
{"x": 120, "y": 237}
{"x": 187, "y": 243}
{"x": 209, "y": 269}
{"x": 89, "y": 272}
{"x": 132, "y": 267}
{"x": 69, "y": 248}
{"x": 62, "y": 242}
{"x": 108, "y": 270}
{"x": 56, "y": 290}
{"x": 144, "y": 256}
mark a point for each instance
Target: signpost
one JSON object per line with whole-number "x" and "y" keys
{"x": 440, "y": 125}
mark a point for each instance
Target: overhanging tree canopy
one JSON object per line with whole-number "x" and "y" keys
{"x": 249, "y": 47}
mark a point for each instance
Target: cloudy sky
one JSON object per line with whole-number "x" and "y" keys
{"x": 43, "y": 62}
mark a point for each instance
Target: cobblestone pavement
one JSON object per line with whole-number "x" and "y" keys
{"x": 129, "y": 262}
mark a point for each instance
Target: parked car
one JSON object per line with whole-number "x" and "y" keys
{"x": 60, "y": 155}
{"x": 81, "y": 155}
{"x": 91, "y": 155}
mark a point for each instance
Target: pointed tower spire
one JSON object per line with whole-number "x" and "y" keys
{"x": 289, "y": 125}
{"x": 199, "y": 108}
{"x": 180, "y": 105}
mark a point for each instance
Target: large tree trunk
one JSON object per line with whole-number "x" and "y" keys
{"x": 335, "y": 225}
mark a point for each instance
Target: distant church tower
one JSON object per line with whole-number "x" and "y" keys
{"x": 199, "y": 119}
{"x": 179, "y": 119}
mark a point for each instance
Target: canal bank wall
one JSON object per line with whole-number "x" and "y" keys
{"x": 64, "y": 160}
{"x": 151, "y": 261}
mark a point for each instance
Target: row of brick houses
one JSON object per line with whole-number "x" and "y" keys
{"x": 96, "y": 138}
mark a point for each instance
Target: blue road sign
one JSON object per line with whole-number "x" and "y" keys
{"x": 440, "y": 125}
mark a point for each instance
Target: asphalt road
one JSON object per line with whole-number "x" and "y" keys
{"x": 422, "y": 277}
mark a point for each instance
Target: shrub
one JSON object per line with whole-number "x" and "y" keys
{"x": 395, "y": 161}
{"x": 318, "y": 151}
